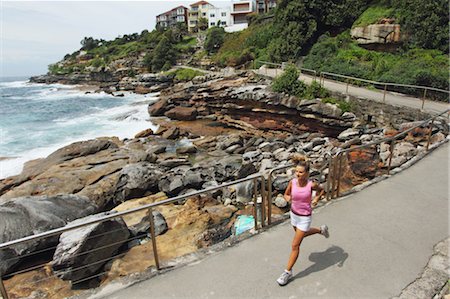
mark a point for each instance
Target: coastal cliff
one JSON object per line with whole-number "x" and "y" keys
{"x": 212, "y": 130}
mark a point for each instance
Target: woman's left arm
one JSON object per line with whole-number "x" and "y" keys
{"x": 319, "y": 193}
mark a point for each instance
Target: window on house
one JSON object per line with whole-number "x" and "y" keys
{"x": 224, "y": 14}
{"x": 204, "y": 5}
{"x": 180, "y": 11}
{"x": 204, "y": 14}
{"x": 211, "y": 15}
{"x": 213, "y": 23}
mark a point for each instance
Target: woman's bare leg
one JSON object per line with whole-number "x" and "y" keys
{"x": 298, "y": 237}
{"x": 313, "y": 231}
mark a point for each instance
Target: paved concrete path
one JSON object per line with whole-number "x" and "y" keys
{"x": 381, "y": 239}
{"x": 391, "y": 97}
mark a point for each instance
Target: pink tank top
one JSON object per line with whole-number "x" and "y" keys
{"x": 301, "y": 198}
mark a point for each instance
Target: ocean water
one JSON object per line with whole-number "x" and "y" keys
{"x": 37, "y": 119}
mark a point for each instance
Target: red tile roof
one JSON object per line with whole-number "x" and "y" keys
{"x": 199, "y": 2}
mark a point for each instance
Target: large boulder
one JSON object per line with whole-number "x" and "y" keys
{"x": 182, "y": 113}
{"x": 82, "y": 252}
{"x": 137, "y": 180}
{"x": 25, "y": 216}
{"x": 158, "y": 108}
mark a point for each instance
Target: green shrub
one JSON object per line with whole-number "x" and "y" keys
{"x": 214, "y": 39}
{"x": 289, "y": 83}
{"x": 185, "y": 74}
{"x": 343, "y": 56}
{"x": 342, "y": 104}
{"x": 315, "y": 90}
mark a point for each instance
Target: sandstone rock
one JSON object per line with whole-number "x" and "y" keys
{"x": 376, "y": 34}
{"x": 182, "y": 113}
{"x": 144, "y": 133}
{"x": 79, "y": 251}
{"x": 280, "y": 183}
{"x": 186, "y": 150}
{"x": 193, "y": 179}
{"x": 353, "y": 141}
{"x": 348, "y": 134}
{"x": 170, "y": 163}
{"x": 244, "y": 192}
{"x": 139, "y": 222}
{"x": 157, "y": 149}
{"x": 280, "y": 201}
{"x": 171, "y": 133}
{"x": 246, "y": 170}
{"x": 30, "y": 215}
{"x": 137, "y": 180}
{"x": 158, "y": 108}
{"x": 171, "y": 185}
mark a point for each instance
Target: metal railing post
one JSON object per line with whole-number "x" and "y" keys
{"x": 346, "y": 90}
{"x": 315, "y": 76}
{"x": 423, "y": 99}
{"x": 263, "y": 201}
{"x": 334, "y": 177}
{"x": 429, "y": 135}
{"x": 384, "y": 93}
{"x": 3, "y": 289}
{"x": 330, "y": 177}
{"x": 391, "y": 149}
{"x": 255, "y": 203}
{"x": 152, "y": 233}
{"x": 269, "y": 199}
{"x": 339, "y": 174}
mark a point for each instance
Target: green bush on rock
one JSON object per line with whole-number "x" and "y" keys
{"x": 288, "y": 82}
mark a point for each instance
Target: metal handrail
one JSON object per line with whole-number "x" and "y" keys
{"x": 322, "y": 74}
{"x": 58, "y": 231}
{"x": 385, "y": 83}
{"x": 337, "y": 157}
{"x": 148, "y": 207}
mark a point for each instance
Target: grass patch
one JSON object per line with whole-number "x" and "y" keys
{"x": 373, "y": 14}
{"x": 185, "y": 74}
{"x": 187, "y": 43}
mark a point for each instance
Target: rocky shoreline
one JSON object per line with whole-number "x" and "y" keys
{"x": 211, "y": 130}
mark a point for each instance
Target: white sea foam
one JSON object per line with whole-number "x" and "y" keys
{"x": 13, "y": 84}
{"x": 122, "y": 121}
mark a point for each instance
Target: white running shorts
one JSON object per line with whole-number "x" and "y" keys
{"x": 303, "y": 223}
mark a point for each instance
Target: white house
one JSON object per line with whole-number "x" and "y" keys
{"x": 219, "y": 17}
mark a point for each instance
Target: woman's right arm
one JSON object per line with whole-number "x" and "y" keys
{"x": 287, "y": 193}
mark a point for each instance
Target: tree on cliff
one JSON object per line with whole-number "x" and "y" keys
{"x": 426, "y": 22}
{"x": 202, "y": 23}
{"x": 89, "y": 43}
{"x": 162, "y": 58}
{"x": 298, "y": 23}
{"x": 214, "y": 39}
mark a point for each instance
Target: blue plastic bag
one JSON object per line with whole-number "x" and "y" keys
{"x": 243, "y": 223}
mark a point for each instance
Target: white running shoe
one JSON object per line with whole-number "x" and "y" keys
{"x": 284, "y": 278}
{"x": 324, "y": 230}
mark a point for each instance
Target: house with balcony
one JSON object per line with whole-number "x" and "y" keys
{"x": 172, "y": 17}
{"x": 240, "y": 9}
{"x": 265, "y": 6}
{"x": 198, "y": 10}
{"x": 220, "y": 17}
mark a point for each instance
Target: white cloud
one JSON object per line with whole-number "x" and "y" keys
{"x": 31, "y": 28}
